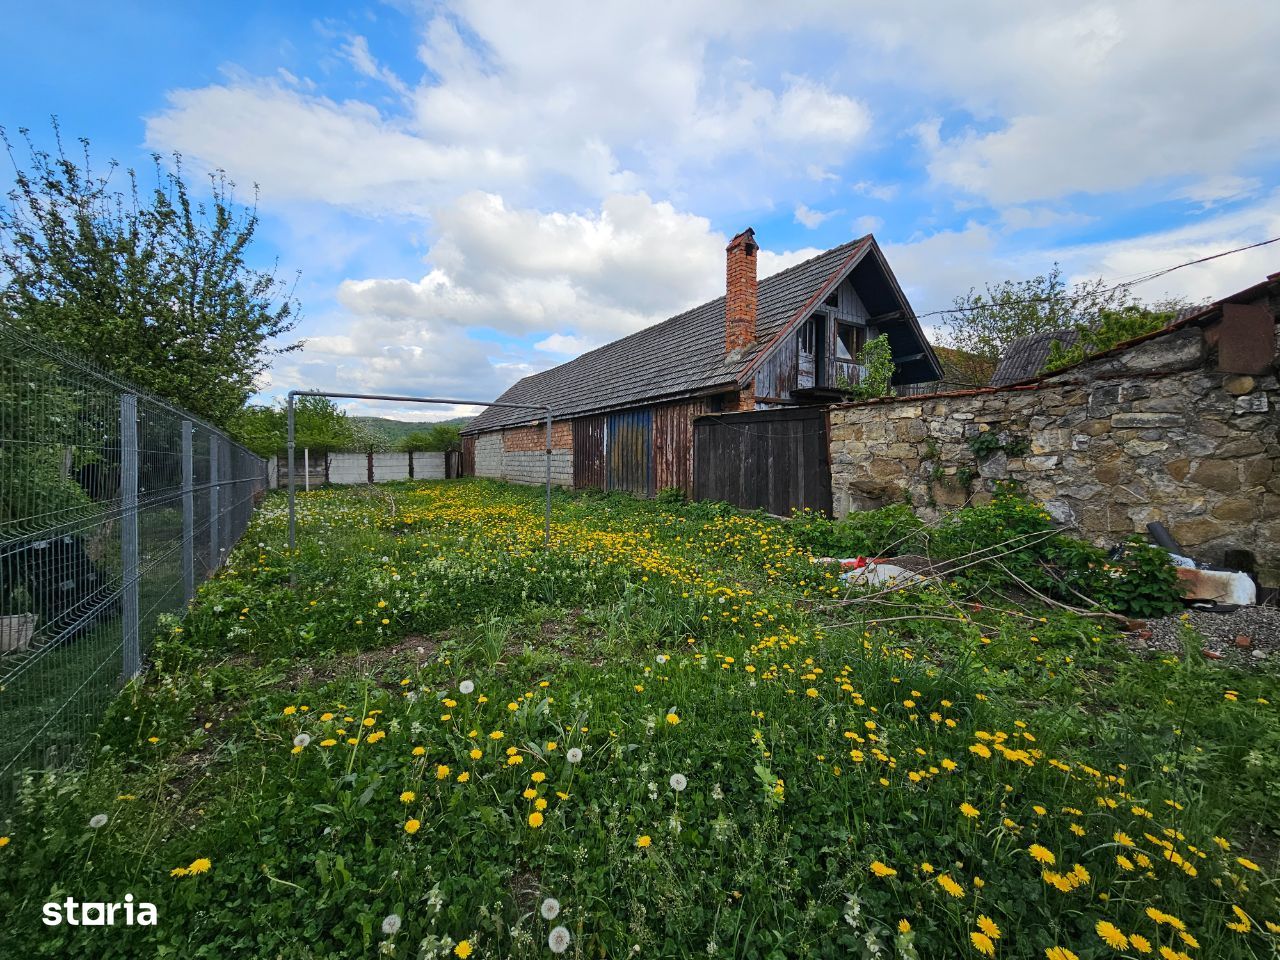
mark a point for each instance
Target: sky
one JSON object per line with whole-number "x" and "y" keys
{"x": 474, "y": 191}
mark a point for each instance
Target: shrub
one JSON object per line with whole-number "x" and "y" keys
{"x": 872, "y": 533}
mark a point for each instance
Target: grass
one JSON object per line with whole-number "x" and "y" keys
{"x": 770, "y": 766}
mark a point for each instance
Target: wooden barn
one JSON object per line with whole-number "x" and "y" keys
{"x": 624, "y": 413}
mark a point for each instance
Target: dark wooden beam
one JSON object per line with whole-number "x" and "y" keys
{"x": 886, "y": 317}
{"x": 909, "y": 357}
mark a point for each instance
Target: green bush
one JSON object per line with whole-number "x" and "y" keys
{"x": 890, "y": 530}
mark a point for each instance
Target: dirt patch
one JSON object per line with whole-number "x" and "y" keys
{"x": 414, "y": 646}
{"x": 526, "y": 890}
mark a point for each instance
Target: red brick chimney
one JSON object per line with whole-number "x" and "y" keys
{"x": 740, "y": 292}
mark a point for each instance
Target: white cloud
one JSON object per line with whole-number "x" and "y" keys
{"x": 1215, "y": 190}
{"x": 302, "y": 147}
{"x": 361, "y": 57}
{"x": 867, "y": 224}
{"x": 1038, "y": 218}
{"x": 883, "y": 192}
{"x": 812, "y": 219}
{"x": 565, "y": 346}
{"x": 937, "y": 268}
{"x": 1091, "y": 98}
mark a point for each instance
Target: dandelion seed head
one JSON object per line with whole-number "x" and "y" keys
{"x": 98, "y": 820}
{"x": 678, "y": 782}
{"x": 550, "y": 908}
{"x": 301, "y": 740}
{"x": 391, "y": 924}
{"x": 573, "y": 755}
{"x": 558, "y": 940}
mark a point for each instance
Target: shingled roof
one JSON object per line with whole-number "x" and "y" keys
{"x": 683, "y": 356}
{"x": 1026, "y": 356}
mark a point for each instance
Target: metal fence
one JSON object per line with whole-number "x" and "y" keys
{"x": 113, "y": 506}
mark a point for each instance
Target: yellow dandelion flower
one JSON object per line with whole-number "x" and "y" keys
{"x": 947, "y": 883}
{"x": 463, "y": 777}
{"x": 904, "y": 926}
{"x": 1248, "y": 864}
{"x": 644, "y": 841}
{"x": 988, "y": 926}
{"x": 1139, "y": 943}
{"x": 982, "y": 943}
{"x": 1042, "y": 854}
{"x": 1111, "y": 935}
{"x": 969, "y": 810}
{"x": 882, "y": 869}
{"x": 412, "y": 827}
{"x": 535, "y": 819}
{"x": 408, "y": 796}
{"x": 463, "y": 949}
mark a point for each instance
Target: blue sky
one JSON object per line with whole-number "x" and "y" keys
{"x": 476, "y": 190}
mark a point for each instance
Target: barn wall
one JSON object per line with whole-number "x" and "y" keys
{"x": 518, "y": 454}
{"x": 629, "y": 451}
{"x": 673, "y": 443}
{"x": 488, "y": 462}
{"x": 588, "y": 453}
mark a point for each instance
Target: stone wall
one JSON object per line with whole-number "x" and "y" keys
{"x": 1157, "y": 431}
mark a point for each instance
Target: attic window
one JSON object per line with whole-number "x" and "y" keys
{"x": 832, "y": 301}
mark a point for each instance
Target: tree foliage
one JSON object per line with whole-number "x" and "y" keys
{"x": 318, "y": 426}
{"x": 876, "y": 359}
{"x": 151, "y": 283}
{"x": 436, "y": 438}
{"x": 986, "y": 323}
{"x": 1112, "y": 327}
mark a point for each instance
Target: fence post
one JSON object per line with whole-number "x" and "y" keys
{"x": 306, "y": 468}
{"x": 188, "y": 515}
{"x": 215, "y": 514}
{"x": 129, "y": 533}
{"x": 370, "y": 463}
{"x": 410, "y": 464}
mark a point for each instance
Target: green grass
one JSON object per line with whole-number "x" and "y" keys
{"x": 818, "y": 733}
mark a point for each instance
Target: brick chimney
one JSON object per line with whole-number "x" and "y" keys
{"x": 740, "y": 292}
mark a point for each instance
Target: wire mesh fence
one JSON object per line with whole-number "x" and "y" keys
{"x": 113, "y": 506}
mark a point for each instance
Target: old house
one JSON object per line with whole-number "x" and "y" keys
{"x": 624, "y": 412}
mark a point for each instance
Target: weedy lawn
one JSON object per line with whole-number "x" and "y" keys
{"x": 672, "y": 734}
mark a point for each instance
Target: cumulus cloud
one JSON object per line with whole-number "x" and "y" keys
{"x": 1091, "y": 98}
{"x": 810, "y": 218}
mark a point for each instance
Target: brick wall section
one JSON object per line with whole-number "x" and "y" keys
{"x": 1153, "y": 432}
{"x": 535, "y": 438}
{"x": 518, "y": 454}
{"x": 740, "y": 292}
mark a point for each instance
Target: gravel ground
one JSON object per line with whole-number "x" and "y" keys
{"x": 1249, "y": 637}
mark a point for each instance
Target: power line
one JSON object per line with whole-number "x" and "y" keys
{"x": 1143, "y": 278}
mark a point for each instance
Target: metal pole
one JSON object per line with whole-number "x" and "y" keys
{"x": 215, "y": 536}
{"x": 188, "y": 514}
{"x": 546, "y": 523}
{"x": 292, "y": 518}
{"x": 129, "y": 533}
{"x": 306, "y": 469}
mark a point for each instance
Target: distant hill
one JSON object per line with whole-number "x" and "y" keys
{"x": 395, "y": 430}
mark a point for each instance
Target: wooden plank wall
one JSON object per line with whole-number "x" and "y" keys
{"x": 776, "y": 460}
{"x": 629, "y": 451}
{"x": 673, "y": 443}
{"x": 469, "y": 456}
{"x": 588, "y": 453}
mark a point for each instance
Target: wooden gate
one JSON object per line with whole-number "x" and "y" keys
{"x": 776, "y": 460}
{"x": 468, "y": 466}
{"x": 629, "y": 452}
